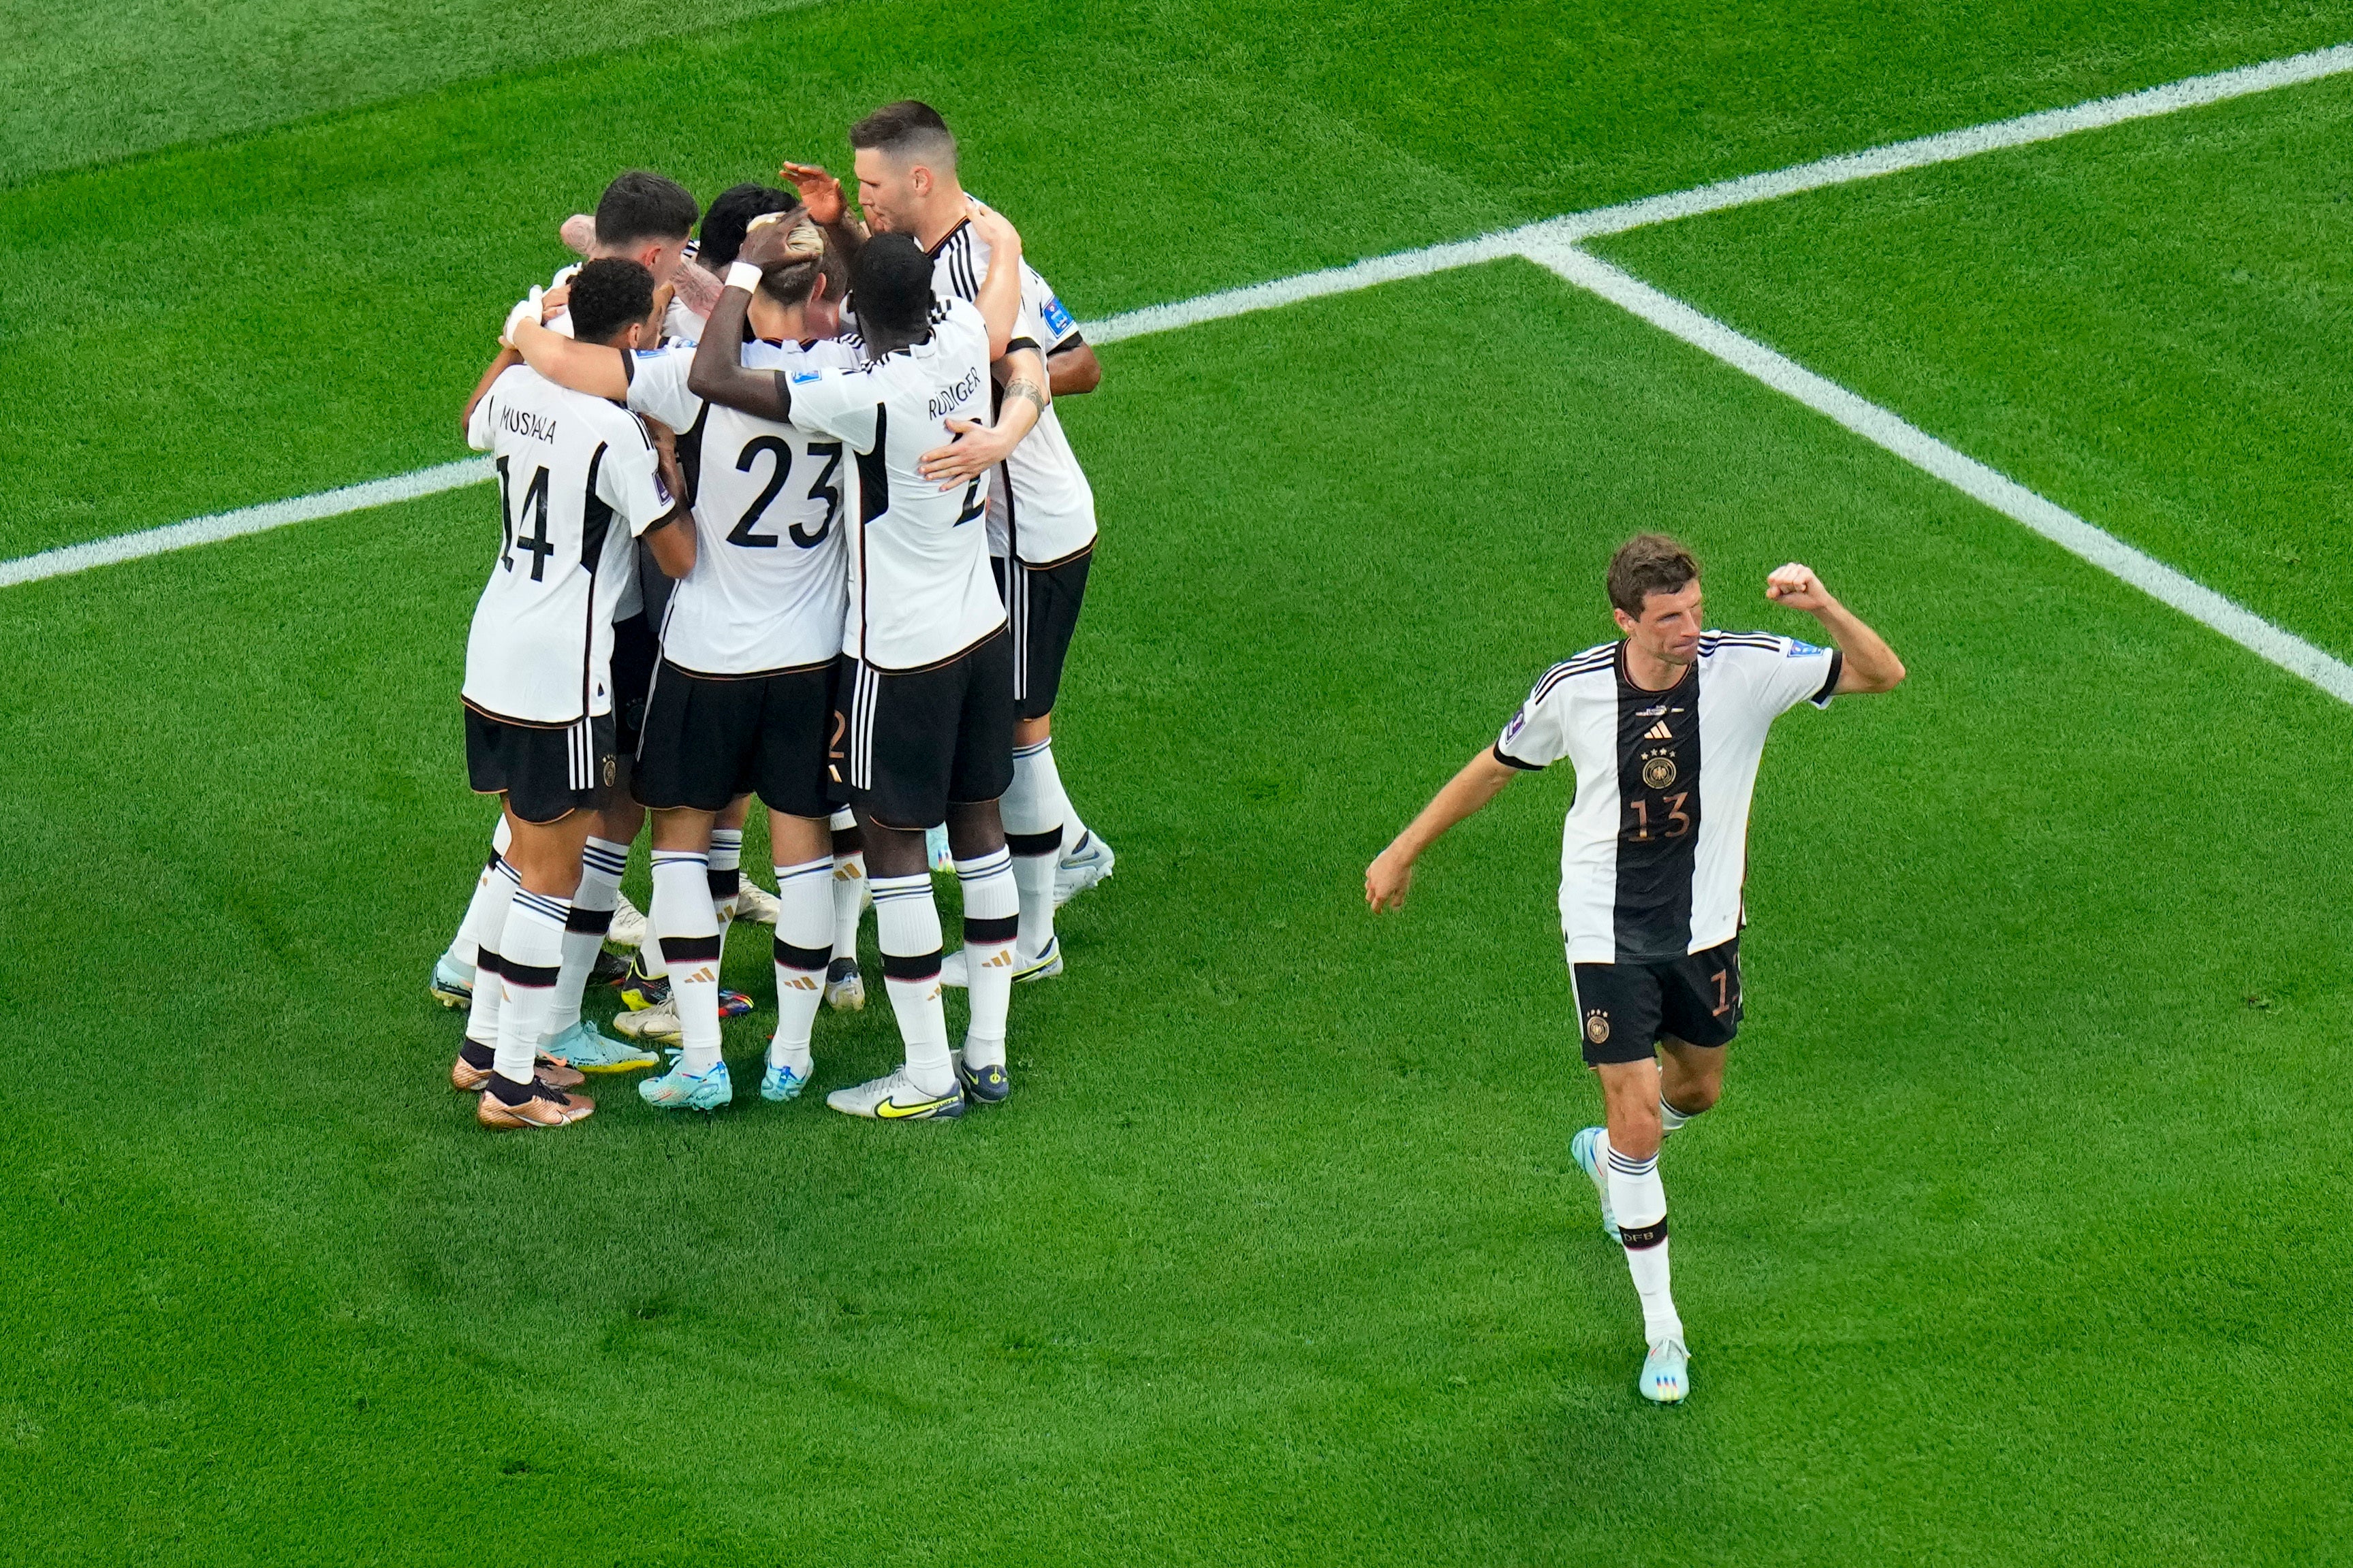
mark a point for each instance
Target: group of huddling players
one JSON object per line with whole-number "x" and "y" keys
{"x": 786, "y": 510}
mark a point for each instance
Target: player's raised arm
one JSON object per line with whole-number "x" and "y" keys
{"x": 999, "y": 300}
{"x": 1869, "y": 665}
{"x": 719, "y": 374}
{"x": 1391, "y": 875}
{"x": 820, "y": 194}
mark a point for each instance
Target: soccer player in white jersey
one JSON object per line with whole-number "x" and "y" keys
{"x": 926, "y": 693}
{"x": 648, "y": 219}
{"x": 579, "y": 480}
{"x": 743, "y": 699}
{"x": 907, "y": 184}
{"x": 1664, "y": 730}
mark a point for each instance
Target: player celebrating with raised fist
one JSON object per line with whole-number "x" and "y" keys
{"x": 1664, "y": 730}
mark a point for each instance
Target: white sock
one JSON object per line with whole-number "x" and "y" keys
{"x": 907, "y": 926}
{"x": 992, "y": 907}
{"x": 1670, "y": 1119}
{"x": 726, "y": 875}
{"x": 467, "y": 943}
{"x": 1033, "y": 832}
{"x": 531, "y": 952}
{"x": 488, "y": 915}
{"x": 804, "y": 927}
{"x": 849, "y": 883}
{"x": 688, "y": 929}
{"x": 1639, "y": 1199}
{"x": 602, "y": 862}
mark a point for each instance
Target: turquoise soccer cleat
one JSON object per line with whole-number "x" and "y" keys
{"x": 677, "y": 1089}
{"x": 781, "y": 1083}
{"x": 448, "y": 986}
{"x": 1666, "y": 1373}
{"x": 589, "y": 1048}
{"x": 1585, "y": 1150}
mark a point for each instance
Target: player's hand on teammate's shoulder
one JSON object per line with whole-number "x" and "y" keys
{"x": 993, "y": 226}
{"x": 820, "y": 192}
{"x": 531, "y": 308}
{"x": 1795, "y": 586}
{"x": 1388, "y": 880}
{"x": 976, "y": 449}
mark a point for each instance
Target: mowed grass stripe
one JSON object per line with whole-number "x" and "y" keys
{"x": 1278, "y": 1254}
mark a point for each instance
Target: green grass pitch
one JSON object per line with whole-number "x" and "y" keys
{"x": 2020, "y": 1238}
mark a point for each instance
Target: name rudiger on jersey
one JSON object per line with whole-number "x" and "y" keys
{"x": 955, "y": 396}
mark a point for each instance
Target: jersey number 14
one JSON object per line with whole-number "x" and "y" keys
{"x": 511, "y": 535}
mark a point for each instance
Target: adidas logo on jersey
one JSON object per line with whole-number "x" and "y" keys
{"x": 1659, "y": 731}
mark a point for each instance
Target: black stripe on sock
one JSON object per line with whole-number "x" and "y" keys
{"x": 487, "y": 962}
{"x": 492, "y": 863}
{"x": 1003, "y": 929}
{"x": 911, "y": 965}
{"x": 598, "y": 920}
{"x": 1035, "y": 844}
{"x": 1638, "y": 1237}
{"x": 678, "y": 950}
{"x": 529, "y": 974}
{"x": 808, "y": 958}
{"x": 725, "y": 885}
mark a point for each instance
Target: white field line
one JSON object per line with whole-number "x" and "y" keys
{"x": 1964, "y": 474}
{"x": 1546, "y": 235}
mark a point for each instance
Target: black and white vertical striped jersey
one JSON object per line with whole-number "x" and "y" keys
{"x": 578, "y": 480}
{"x": 772, "y": 503}
{"x": 1041, "y": 511}
{"x": 921, "y": 592}
{"x": 1656, "y": 844}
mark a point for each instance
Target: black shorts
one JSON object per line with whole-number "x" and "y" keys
{"x": 908, "y": 744}
{"x": 546, "y": 774}
{"x": 635, "y": 650}
{"x": 709, "y": 739}
{"x": 1041, "y": 604}
{"x": 1624, "y": 1010}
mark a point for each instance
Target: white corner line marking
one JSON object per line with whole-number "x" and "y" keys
{"x": 1945, "y": 147}
{"x": 1965, "y": 474}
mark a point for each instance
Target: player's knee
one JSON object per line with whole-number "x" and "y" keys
{"x": 1696, "y": 1096}
{"x": 1634, "y": 1130}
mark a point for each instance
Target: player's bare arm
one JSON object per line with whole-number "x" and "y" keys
{"x": 979, "y": 447}
{"x": 1390, "y": 876}
{"x": 999, "y": 300}
{"x": 1073, "y": 370}
{"x": 672, "y": 539}
{"x": 719, "y": 374}
{"x": 500, "y": 363}
{"x": 821, "y": 193}
{"x": 1868, "y": 665}
{"x": 593, "y": 368}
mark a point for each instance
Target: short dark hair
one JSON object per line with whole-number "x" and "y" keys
{"x": 639, "y": 206}
{"x": 791, "y": 280}
{"x": 1649, "y": 563}
{"x": 892, "y": 286}
{"x": 730, "y": 216}
{"x": 607, "y": 295}
{"x": 907, "y": 130}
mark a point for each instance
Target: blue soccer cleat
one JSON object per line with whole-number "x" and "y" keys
{"x": 589, "y": 1048}
{"x": 679, "y": 1089}
{"x": 1585, "y": 1150}
{"x": 982, "y": 1086}
{"x": 1666, "y": 1373}
{"x": 781, "y": 1083}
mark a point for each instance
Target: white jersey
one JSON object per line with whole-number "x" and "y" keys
{"x": 578, "y": 480}
{"x": 772, "y": 503}
{"x": 921, "y": 592}
{"x": 1041, "y": 509}
{"x": 1656, "y": 844}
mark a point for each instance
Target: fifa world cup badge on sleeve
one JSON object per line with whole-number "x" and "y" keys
{"x": 1058, "y": 318}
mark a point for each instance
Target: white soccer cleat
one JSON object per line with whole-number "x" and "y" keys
{"x": 845, "y": 989}
{"x": 1666, "y": 1373}
{"x": 1088, "y": 862}
{"x": 956, "y": 968}
{"x": 659, "y": 1022}
{"x": 895, "y": 1097}
{"x": 629, "y": 927}
{"x": 756, "y": 903}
